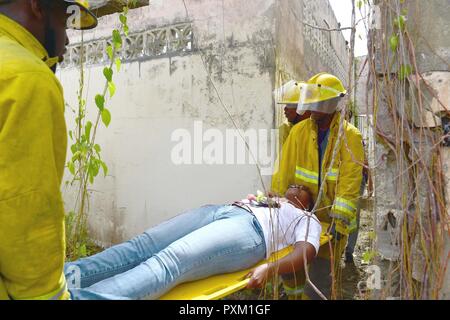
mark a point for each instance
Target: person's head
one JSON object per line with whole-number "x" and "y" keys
{"x": 299, "y": 196}
{"x": 288, "y": 95}
{"x": 47, "y": 20}
{"x": 290, "y": 111}
{"x": 321, "y": 95}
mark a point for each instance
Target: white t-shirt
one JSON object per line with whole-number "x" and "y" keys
{"x": 286, "y": 226}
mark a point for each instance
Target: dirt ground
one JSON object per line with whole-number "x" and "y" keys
{"x": 353, "y": 273}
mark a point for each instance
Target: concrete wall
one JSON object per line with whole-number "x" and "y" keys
{"x": 235, "y": 45}
{"x": 446, "y": 161}
{"x": 155, "y": 97}
{"x": 428, "y": 27}
{"x": 303, "y": 51}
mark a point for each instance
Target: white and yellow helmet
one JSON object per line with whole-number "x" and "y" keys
{"x": 322, "y": 93}
{"x": 289, "y": 93}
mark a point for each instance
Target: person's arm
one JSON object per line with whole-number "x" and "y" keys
{"x": 349, "y": 183}
{"x": 32, "y": 154}
{"x": 293, "y": 262}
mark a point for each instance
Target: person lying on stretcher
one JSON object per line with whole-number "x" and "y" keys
{"x": 213, "y": 239}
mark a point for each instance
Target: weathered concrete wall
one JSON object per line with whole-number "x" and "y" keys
{"x": 427, "y": 23}
{"x": 429, "y": 26}
{"x": 325, "y": 51}
{"x": 160, "y": 92}
{"x": 303, "y": 51}
{"x": 157, "y": 96}
{"x": 445, "y": 293}
{"x": 363, "y": 91}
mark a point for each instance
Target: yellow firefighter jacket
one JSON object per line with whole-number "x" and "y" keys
{"x": 300, "y": 165}
{"x": 33, "y": 144}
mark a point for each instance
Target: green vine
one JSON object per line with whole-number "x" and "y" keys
{"x": 86, "y": 160}
{"x": 400, "y": 28}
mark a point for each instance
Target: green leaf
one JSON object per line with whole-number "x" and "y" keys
{"x": 126, "y": 30}
{"x": 110, "y": 52}
{"x": 74, "y": 148}
{"x": 105, "y": 168}
{"x": 87, "y": 130}
{"x": 112, "y": 89}
{"x": 100, "y": 102}
{"x": 117, "y": 39}
{"x": 108, "y": 73}
{"x": 405, "y": 71}
{"x": 97, "y": 148}
{"x": 123, "y": 19}
{"x": 76, "y": 156}
{"x": 118, "y": 64}
{"x": 393, "y": 42}
{"x": 359, "y": 4}
{"x": 71, "y": 167}
{"x": 95, "y": 167}
{"x": 106, "y": 117}
{"x": 70, "y": 135}
{"x": 400, "y": 22}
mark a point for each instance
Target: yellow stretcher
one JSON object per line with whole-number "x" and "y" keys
{"x": 215, "y": 287}
{"x": 219, "y": 286}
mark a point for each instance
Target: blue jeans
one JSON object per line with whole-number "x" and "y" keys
{"x": 197, "y": 244}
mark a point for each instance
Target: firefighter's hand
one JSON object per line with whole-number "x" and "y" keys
{"x": 258, "y": 276}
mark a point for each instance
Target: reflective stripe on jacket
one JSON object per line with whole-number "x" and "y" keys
{"x": 300, "y": 165}
{"x": 33, "y": 145}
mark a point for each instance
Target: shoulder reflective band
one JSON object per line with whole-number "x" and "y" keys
{"x": 307, "y": 175}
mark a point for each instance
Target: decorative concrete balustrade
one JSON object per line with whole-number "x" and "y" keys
{"x": 170, "y": 40}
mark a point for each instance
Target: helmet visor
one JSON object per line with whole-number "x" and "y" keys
{"x": 318, "y": 98}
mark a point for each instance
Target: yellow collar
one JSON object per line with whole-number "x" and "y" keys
{"x": 16, "y": 32}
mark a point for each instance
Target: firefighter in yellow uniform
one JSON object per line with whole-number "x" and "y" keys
{"x": 33, "y": 143}
{"x": 307, "y": 159}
